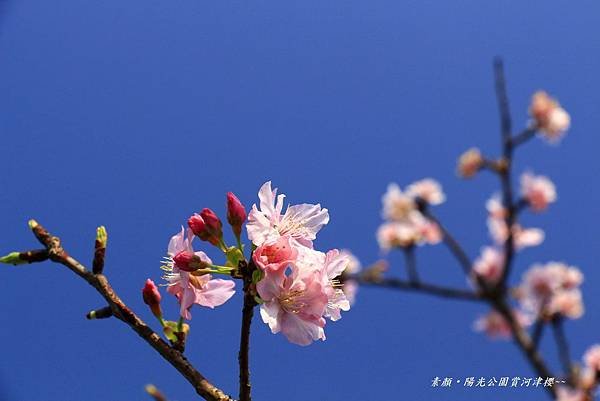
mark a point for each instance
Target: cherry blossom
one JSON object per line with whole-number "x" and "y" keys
{"x": 427, "y": 189}
{"x": 489, "y": 265}
{"x": 188, "y": 287}
{"x": 538, "y": 191}
{"x": 552, "y": 120}
{"x": 300, "y": 222}
{"x": 495, "y": 325}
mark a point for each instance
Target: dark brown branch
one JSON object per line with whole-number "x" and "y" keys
{"x": 452, "y": 244}
{"x": 431, "y": 289}
{"x": 524, "y": 342}
{"x": 524, "y": 136}
{"x": 243, "y": 356}
{"x": 562, "y": 346}
{"x": 57, "y": 254}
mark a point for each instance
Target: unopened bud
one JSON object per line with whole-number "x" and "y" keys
{"x": 102, "y": 313}
{"x": 99, "y": 250}
{"x": 189, "y": 262}
{"x": 469, "y": 163}
{"x": 207, "y": 226}
{"x": 152, "y": 298}
{"x": 236, "y": 213}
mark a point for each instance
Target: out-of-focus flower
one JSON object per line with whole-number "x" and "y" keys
{"x": 495, "y": 208}
{"x": 300, "y": 222}
{"x": 397, "y": 205}
{"x": 469, "y": 163}
{"x": 569, "y": 394}
{"x": 152, "y": 298}
{"x": 354, "y": 266}
{"x": 554, "y": 289}
{"x": 591, "y": 358}
{"x": 406, "y": 225}
{"x": 190, "y": 288}
{"x": 538, "y": 191}
{"x": 522, "y": 237}
{"x": 490, "y": 265}
{"x": 551, "y": 119}
{"x": 495, "y": 325}
{"x": 428, "y": 190}
{"x": 236, "y": 214}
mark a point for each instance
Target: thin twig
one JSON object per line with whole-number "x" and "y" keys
{"x": 538, "y": 330}
{"x": 122, "y": 312}
{"x": 562, "y": 346}
{"x": 524, "y": 136}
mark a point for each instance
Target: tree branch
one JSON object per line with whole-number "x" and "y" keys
{"x": 57, "y": 254}
{"x": 247, "y": 314}
{"x": 425, "y": 288}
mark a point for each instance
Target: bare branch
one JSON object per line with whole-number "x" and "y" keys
{"x": 57, "y": 254}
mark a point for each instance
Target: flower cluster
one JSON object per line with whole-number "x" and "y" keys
{"x": 300, "y": 286}
{"x": 551, "y": 119}
{"x": 552, "y": 289}
{"x": 405, "y": 225}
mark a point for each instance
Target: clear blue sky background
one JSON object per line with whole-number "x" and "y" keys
{"x": 134, "y": 114}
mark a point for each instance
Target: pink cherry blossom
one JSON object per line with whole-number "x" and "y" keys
{"x": 469, "y": 163}
{"x": 522, "y": 237}
{"x": 301, "y": 222}
{"x": 553, "y": 287}
{"x": 350, "y": 287}
{"x": 569, "y": 394}
{"x": 552, "y": 120}
{"x": 427, "y": 189}
{"x": 272, "y": 257}
{"x": 294, "y": 305}
{"x": 495, "y": 325}
{"x": 495, "y": 208}
{"x": 538, "y": 191}
{"x": 591, "y": 358}
{"x": 490, "y": 265}
{"x": 397, "y": 205}
{"x": 191, "y": 289}
{"x": 415, "y": 229}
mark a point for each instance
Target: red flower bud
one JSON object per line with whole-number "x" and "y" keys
{"x": 207, "y": 226}
{"x": 152, "y": 298}
{"x": 189, "y": 262}
{"x": 236, "y": 213}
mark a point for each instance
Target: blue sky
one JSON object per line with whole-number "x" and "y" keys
{"x": 134, "y": 114}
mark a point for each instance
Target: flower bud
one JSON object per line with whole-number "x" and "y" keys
{"x": 469, "y": 163}
{"x": 549, "y": 117}
{"x": 152, "y": 298}
{"x": 189, "y": 262}
{"x": 207, "y": 226}
{"x": 236, "y": 213}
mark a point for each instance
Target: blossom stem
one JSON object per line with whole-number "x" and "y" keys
{"x": 524, "y": 136}
{"x": 244, "y": 352}
{"x": 425, "y": 288}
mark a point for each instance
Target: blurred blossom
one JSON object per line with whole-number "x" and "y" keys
{"x": 469, "y": 163}
{"x": 538, "y": 191}
{"x": 406, "y": 225}
{"x": 495, "y": 325}
{"x": 522, "y": 237}
{"x": 489, "y": 265}
{"x": 551, "y": 119}
{"x": 554, "y": 288}
{"x": 427, "y": 189}
{"x": 591, "y": 358}
{"x": 568, "y": 394}
{"x": 354, "y": 266}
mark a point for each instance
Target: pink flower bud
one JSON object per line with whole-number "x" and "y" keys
{"x": 207, "y": 226}
{"x": 189, "y": 262}
{"x": 152, "y": 297}
{"x": 236, "y": 213}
